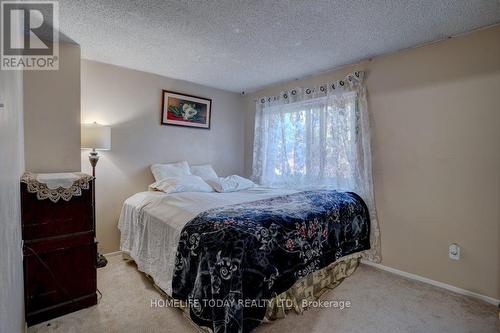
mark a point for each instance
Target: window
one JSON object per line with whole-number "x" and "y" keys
{"x": 307, "y": 143}
{"x": 318, "y": 137}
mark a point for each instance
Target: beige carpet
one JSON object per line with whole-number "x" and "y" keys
{"x": 380, "y": 302}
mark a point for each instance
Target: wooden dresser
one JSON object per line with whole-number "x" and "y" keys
{"x": 59, "y": 246}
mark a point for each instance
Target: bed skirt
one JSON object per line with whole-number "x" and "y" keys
{"x": 307, "y": 289}
{"x": 311, "y": 287}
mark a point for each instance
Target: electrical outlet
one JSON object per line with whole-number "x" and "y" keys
{"x": 454, "y": 251}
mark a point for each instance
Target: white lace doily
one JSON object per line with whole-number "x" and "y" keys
{"x": 55, "y": 186}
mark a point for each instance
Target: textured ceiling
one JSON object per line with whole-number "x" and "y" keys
{"x": 246, "y": 45}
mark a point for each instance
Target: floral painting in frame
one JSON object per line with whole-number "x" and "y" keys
{"x": 185, "y": 110}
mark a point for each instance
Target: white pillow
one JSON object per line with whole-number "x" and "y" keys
{"x": 162, "y": 171}
{"x": 204, "y": 171}
{"x": 230, "y": 184}
{"x": 189, "y": 183}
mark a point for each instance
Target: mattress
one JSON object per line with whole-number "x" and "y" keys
{"x": 151, "y": 224}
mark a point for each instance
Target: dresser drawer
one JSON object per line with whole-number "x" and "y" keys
{"x": 44, "y": 218}
{"x": 60, "y": 276}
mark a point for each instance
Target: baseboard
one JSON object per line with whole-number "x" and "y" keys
{"x": 112, "y": 254}
{"x": 446, "y": 286}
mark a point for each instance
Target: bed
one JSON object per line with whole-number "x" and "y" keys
{"x": 262, "y": 245}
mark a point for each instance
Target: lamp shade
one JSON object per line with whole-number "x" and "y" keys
{"x": 95, "y": 136}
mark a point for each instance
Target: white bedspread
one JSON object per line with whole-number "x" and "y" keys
{"x": 151, "y": 224}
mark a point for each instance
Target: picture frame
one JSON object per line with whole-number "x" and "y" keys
{"x": 180, "y": 109}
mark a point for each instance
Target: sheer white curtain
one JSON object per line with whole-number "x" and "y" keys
{"x": 318, "y": 137}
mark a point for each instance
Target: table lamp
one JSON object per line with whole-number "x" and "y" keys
{"x": 96, "y": 137}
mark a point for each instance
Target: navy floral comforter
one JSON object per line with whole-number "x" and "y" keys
{"x": 231, "y": 259}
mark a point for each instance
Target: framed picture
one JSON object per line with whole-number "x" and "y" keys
{"x": 185, "y": 110}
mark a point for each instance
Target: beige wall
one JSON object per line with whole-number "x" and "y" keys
{"x": 11, "y": 168}
{"x": 52, "y": 115}
{"x": 130, "y": 101}
{"x": 435, "y": 118}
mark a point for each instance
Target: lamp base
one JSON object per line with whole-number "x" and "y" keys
{"x": 101, "y": 261}
{"x": 93, "y": 158}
